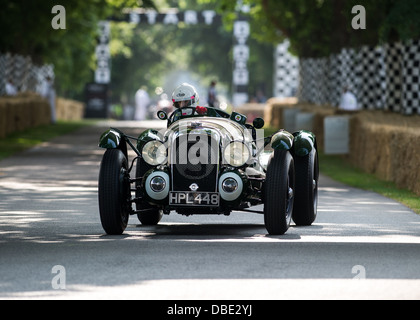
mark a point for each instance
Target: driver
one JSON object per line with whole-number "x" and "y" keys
{"x": 185, "y": 96}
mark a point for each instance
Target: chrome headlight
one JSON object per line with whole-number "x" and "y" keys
{"x": 236, "y": 154}
{"x": 154, "y": 153}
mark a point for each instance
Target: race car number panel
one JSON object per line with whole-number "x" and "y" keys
{"x": 208, "y": 199}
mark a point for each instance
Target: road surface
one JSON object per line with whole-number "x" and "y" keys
{"x": 52, "y": 246}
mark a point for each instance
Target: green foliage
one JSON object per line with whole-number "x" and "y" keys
{"x": 147, "y": 61}
{"x": 318, "y": 28}
{"x": 205, "y": 50}
{"x": 26, "y": 29}
{"x": 402, "y": 22}
{"x": 141, "y": 55}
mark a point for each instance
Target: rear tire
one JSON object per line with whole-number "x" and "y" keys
{"x": 279, "y": 192}
{"x": 306, "y": 199}
{"x": 114, "y": 192}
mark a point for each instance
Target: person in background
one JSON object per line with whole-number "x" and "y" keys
{"x": 142, "y": 102}
{"x": 348, "y": 101}
{"x": 48, "y": 92}
{"x": 212, "y": 95}
{"x": 10, "y": 88}
{"x": 260, "y": 96}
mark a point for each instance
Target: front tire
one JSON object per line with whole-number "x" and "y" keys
{"x": 114, "y": 192}
{"x": 279, "y": 192}
{"x": 306, "y": 199}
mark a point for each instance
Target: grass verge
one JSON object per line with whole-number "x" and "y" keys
{"x": 20, "y": 141}
{"x": 339, "y": 169}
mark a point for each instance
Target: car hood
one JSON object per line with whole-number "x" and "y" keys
{"x": 227, "y": 130}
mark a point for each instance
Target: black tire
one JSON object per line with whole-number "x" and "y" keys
{"x": 114, "y": 192}
{"x": 150, "y": 218}
{"x": 147, "y": 218}
{"x": 306, "y": 195}
{"x": 279, "y": 192}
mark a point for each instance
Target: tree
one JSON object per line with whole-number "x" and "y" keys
{"x": 26, "y": 29}
{"x": 205, "y": 50}
{"x": 402, "y": 21}
{"x": 318, "y": 28}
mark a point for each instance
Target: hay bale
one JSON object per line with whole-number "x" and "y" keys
{"x": 43, "y": 113}
{"x": 275, "y": 107}
{"x": 21, "y": 112}
{"x": 387, "y": 145}
{"x": 320, "y": 113}
{"x": 10, "y": 116}
{"x": 3, "y": 119}
{"x": 69, "y": 110}
{"x": 381, "y": 143}
{"x": 252, "y": 110}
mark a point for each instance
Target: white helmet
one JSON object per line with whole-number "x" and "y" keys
{"x": 185, "y": 96}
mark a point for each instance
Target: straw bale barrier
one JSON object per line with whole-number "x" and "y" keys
{"x": 387, "y": 145}
{"x": 69, "y": 110}
{"x": 252, "y": 110}
{"x": 28, "y": 110}
{"x": 381, "y": 143}
{"x": 274, "y": 114}
{"x": 22, "y": 112}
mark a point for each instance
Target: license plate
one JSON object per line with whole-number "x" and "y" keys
{"x": 194, "y": 198}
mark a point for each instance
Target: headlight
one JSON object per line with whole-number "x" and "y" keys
{"x": 154, "y": 153}
{"x": 236, "y": 154}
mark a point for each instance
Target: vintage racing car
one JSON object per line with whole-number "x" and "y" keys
{"x": 208, "y": 162}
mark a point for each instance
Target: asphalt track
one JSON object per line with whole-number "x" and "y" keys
{"x": 52, "y": 246}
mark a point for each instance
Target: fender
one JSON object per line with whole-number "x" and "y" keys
{"x": 110, "y": 139}
{"x": 282, "y": 140}
{"x": 146, "y": 136}
{"x": 304, "y": 142}
{"x": 113, "y": 139}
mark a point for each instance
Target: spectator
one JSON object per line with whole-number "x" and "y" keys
{"x": 348, "y": 101}
{"x": 212, "y": 95}
{"x": 48, "y": 92}
{"x": 261, "y": 97}
{"x": 142, "y": 102}
{"x": 10, "y": 88}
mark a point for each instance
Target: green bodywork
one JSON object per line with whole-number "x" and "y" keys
{"x": 301, "y": 142}
{"x": 110, "y": 139}
{"x": 282, "y": 140}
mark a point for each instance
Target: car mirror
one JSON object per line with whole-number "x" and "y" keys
{"x": 162, "y": 115}
{"x": 258, "y": 123}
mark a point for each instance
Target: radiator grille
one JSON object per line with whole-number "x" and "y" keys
{"x": 195, "y": 162}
